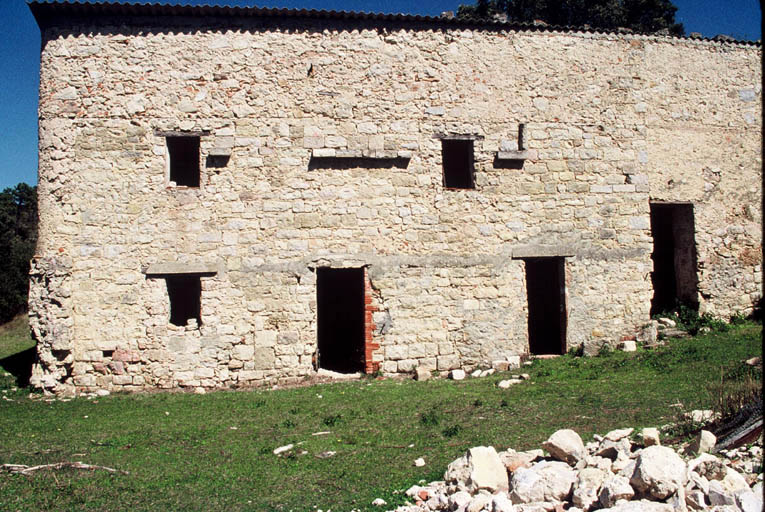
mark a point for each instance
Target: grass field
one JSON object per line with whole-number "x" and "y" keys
{"x": 215, "y": 451}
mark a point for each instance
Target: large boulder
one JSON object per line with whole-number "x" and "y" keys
{"x": 544, "y": 481}
{"x": 659, "y": 472}
{"x": 565, "y": 445}
{"x": 479, "y": 468}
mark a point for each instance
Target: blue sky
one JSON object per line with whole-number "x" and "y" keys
{"x": 20, "y": 55}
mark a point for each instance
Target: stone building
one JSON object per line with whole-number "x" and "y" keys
{"x": 231, "y": 196}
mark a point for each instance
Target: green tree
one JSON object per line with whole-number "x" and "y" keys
{"x": 18, "y": 236}
{"x": 645, "y": 16}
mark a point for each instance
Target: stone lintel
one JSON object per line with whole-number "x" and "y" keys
{"x": 542, "y": 251}
{"x": 528, "y": 154}
{"x": 219, "y": 152}
{"x": 181, "y": 133}
{"x": 175, "y": 267}
{"x": 455, "y": 136}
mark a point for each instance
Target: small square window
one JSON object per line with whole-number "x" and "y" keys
{"x": 457, "y": 157}
{"x": 184, "y": 160}
{"x": 185, "y": 294}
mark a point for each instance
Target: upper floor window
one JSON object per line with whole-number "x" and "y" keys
{"x": 457, "y": 158}
{"x": 183, "y": 153}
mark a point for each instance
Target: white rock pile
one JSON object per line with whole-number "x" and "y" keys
{"x": 611, "y": 473}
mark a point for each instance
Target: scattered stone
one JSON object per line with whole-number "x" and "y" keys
{"x": 421, "y": 374}
{"x": 755, "y": 361}
{"x": 650, "y": 436}
{"x": 695, "y": 499}
{"x": 671, "y": 332}
{"x": 544, "y": 481}
{"x": 614, "y": 489}
{"x": 628, "y": 346}
{"x": 707, "y": 466}
{"x": 501, "y": 503}
{"x": 325, "y": 454}
{"x": 500, "y": 366}
{"x": 457, "y": 374}
{"x": 667, "y": 322}
{"x": 479, "y": 468}
{"x": 504, "y": 384}
{"x": 459, "y": 500}
{"x": 718, "y": 496}
{"x": 515, "y": 460}
{"x": 486, "y": 469}
{"x": 479, "y": 502}
{"x": 565, "y": 445}
{"x": 659, "y": 472}
{"x": 650, "y": 479}
{"x": 700, "y": 416}
{"x": 587, "y": 487}
{"x": 524, "y": 376}
{"x": 379, "y": 502}
{"x": 748, "y": 501}
{"x": 704, "y": 442}
{"x": 419, "y": 462}
{"x": 283, "y": 449}
{"x": 476, "y": 373}
{"x": 617, "y": 435}
{"x": 649, "y": 334}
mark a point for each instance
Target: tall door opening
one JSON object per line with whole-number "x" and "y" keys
{"x": 546, "y": 286}
{"x": 674, "y": 276}
{"x": 340, "y": 306}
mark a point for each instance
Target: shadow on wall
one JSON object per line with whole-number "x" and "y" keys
{"x": 20, "y": 365}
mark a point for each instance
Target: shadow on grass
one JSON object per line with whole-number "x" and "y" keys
{"x": 20, "y": 366}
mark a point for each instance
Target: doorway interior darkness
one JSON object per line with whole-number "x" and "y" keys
{"x": 674, "y": 276}
{"x": 546, "y": 286}
{"x": 340, "y": 307}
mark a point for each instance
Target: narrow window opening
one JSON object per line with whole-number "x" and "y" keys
{"x": 340, "y": 315}
{"x": 674, "y": 276}
{"x": 184, "y": 160}
{"x": 546, "y": 288}
{"x": 521, "y": 137}
{"x": 185, "y": 294}
{"x": 457, "y": 158}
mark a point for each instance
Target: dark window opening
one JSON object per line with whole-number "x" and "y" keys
{"x": 108, "y": 353}
{"x": 521, "y": 137}
{"x": 184, "y": 160}
{"x": 185, "y": 294}
{"x": 340, "y": 315}
{"x": 457, "y": 157}
{"x": 674, "y": 276}
{"x": 546, "y": 288}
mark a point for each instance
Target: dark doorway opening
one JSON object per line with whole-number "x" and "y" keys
{"x": 674, "y": 276}
{"x": 546, "y": 285}
{"x": 340, "y": 306}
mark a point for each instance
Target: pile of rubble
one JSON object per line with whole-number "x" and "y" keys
{"x": 613, "y": 472}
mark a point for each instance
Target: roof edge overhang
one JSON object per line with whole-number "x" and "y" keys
{"x": 50, "y": 13}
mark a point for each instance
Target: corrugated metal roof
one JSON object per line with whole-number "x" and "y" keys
{"x": 47, "y": 12}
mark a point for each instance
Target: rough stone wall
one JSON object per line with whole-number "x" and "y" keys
{"x": 334, "y": 160}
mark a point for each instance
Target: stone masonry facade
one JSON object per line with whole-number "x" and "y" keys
{"x": 321, "y": 145}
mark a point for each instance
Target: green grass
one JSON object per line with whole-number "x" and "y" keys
{"x": 214, "y": 451}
